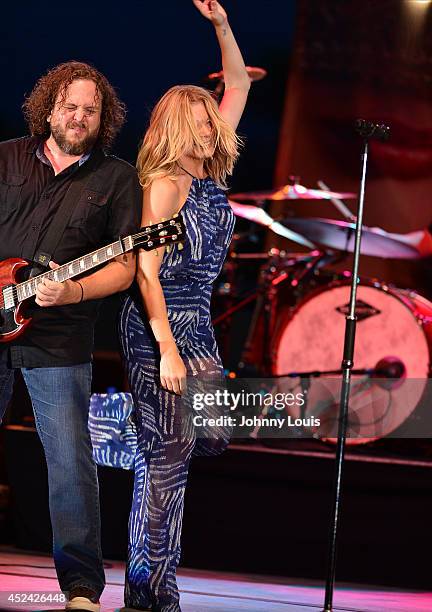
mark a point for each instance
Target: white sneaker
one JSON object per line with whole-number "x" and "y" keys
{"x": 82, "y": 603}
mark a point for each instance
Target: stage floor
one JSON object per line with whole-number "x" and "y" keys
{"x": 203, "y": 591}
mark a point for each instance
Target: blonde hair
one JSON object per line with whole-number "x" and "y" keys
{"x": 172, "y": 132}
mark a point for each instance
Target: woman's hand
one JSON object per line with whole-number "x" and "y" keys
{"x": 211, "y": 10}
{"x": 172, "y": 369}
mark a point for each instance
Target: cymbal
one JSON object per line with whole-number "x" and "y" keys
{"x": 292, "y": 192}
{"x": 255, "y": 74}
{"x": 258, "y": 215}
{"x": 340, "y": 235}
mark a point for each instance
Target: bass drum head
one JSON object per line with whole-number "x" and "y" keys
{"x": 388, "y": 333}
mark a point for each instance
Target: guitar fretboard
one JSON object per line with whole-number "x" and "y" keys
{"x": 76, "y": 267}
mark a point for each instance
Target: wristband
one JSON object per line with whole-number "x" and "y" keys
{"x": 82, "y": 292}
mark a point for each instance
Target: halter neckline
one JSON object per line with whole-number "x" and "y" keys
{"x": 190, "y": 174}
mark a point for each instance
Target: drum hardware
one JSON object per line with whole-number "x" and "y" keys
{"x": 272, "y": 275}
{"x": 289, "y": 191}
{"x": 232, "y": 261}
{"x": 230, "y": 311}
{"x": 317, "y": 260}
{"x": 386, "y": 368}
{"x": 424, "y": 319}
{"x": 228, "y": 290}
{"x": 266, "y": 292}
{"x": 297, "y": 271}
{"x": 261, "y": 217}
{"x": 330, "y": 233}
{"x": 237, "y": 239}
{"x": 239, "y": 257}
{"x": 265, "y": 297}
{"x": 337, "y": 202}
{"x": 270, "y": 279}
{"x": 286, "y": 260}
{"x": 340, "y": 235}
{"x": 270, "y": 256}
{"x": 254, "y": 72}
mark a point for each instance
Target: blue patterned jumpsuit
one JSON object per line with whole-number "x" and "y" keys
{"x": 163, "y": 451}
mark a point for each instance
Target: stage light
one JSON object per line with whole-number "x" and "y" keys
{"x": 416, "y": 12}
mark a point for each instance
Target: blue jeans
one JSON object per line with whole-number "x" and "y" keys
{"x": 60, "y": 398}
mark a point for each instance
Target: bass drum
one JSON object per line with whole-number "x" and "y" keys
{"x": 393, "y": 339}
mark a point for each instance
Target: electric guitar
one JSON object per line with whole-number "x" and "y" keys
{"x": 13, "y": 294}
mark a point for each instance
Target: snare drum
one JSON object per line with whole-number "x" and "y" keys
{"x": 393, "y": 326}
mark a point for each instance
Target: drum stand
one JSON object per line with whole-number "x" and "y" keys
{"x": 279, "y": 269}
{"x": 367, "y": 131}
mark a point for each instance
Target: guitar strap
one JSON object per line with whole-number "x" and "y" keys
{"x": 41, "y": 253}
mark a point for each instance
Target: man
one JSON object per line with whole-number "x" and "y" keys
{"x": 73, "y": 114}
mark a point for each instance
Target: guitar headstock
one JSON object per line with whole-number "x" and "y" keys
{"x": 161, "y": 234}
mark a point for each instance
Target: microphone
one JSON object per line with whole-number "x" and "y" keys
{"x": 370, "y": 130}
{"x": 389, "y": 373}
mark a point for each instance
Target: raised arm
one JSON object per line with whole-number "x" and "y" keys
{"x": 237, "y": 81}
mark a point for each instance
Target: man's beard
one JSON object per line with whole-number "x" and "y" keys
{"x": 73, "y": 148}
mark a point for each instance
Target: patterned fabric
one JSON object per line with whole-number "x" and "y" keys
{"x": 112, "y": 430}
{"x": 164, "y": 444}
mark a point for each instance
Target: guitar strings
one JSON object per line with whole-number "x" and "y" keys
{"x": 89, "y": 257}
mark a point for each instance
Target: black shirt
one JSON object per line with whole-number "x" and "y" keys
{"x": 30, "y": 194}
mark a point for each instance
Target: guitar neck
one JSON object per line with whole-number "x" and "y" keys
{"x": 78, "y": 266}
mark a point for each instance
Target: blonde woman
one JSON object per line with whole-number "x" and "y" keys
{"x": 165, "y": 326}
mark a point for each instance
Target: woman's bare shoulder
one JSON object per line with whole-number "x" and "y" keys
{"x": 161, "y": 198}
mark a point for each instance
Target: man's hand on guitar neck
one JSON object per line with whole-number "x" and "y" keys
{"x": 51, "y": 293}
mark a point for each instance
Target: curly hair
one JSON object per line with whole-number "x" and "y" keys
{"x": 40, "y": 103}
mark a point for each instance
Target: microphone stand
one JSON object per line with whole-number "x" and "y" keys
{"x": 367, "y": 131}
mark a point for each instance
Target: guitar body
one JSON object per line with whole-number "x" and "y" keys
{"x": 12, "y": 321}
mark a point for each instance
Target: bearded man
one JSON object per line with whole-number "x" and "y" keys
{"x": 73, "y": 114}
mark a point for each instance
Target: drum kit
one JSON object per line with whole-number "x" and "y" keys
{"x": 298, "y": 323}
{"x": 297, "y": 327}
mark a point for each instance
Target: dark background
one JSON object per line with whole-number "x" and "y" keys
{"x": 144, "y": 48}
